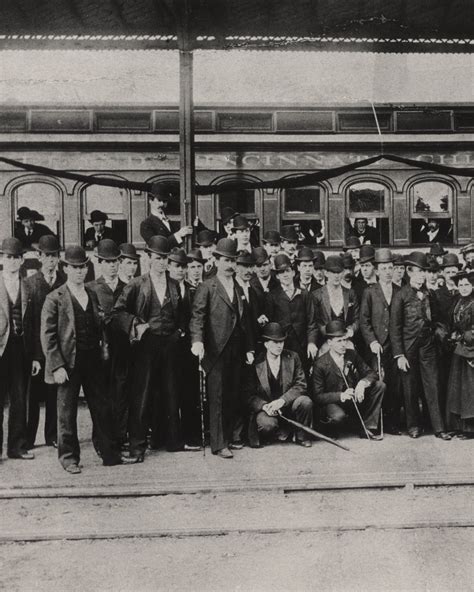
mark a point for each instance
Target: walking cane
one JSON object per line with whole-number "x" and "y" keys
{"x": 313, "y": 432}
{"x": 381, "y": 377}
{"x": 202, "y": 400}
{"x": 355, "y": 405}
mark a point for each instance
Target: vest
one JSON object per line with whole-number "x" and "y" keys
{"x": 87, "y": 332}
{"x": 16, "y": 321}
{"x": 276, "y": 388}
{"x": 161, "y": 316}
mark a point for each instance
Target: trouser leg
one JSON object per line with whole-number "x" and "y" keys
{"x": 411, "y": 382}
{"x": 170, "y": 391}
{"x": 50, "y": 418}
{"x": 302, "y": 411}
{"x": 267, "y": 425}
{"x": 18, "y": 385}
{"x": 430, "y": 378}
{"x": 35, "y": 390}
{"x": 68, "y": 442}
{"x": 370, "y": 407}
{"x": 190, "y": 401}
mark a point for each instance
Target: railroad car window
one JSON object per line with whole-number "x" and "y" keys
{"x": 173, "y": 208}
{"x": 242, "y": 201}
{"x": 113, "y": 203}
{"x": 45, "y": 202}
{"x": 304, "y": 207}
{"x": 431, "y": 212}
{"x": 368, "y": 212}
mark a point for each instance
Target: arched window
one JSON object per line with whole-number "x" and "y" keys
{"x": 112, "y": 201}
{"x": 173, "y": 207}
{"x": 368, "y": 207}
{"x": 244, "y": 201}
{"x": 305, "y": 207}
{"x": 431, "y": 206}
{"x": 45, "y": 201}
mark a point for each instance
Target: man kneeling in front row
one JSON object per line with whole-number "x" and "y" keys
{"x": 276, "y": 383}
{"x": 342, "y": 381}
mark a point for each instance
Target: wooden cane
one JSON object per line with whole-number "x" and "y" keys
{"x": 202, "y": 399}
{"x": 381, "y": 377}
{"x": 355, "y": 405}
{"x": 313, "y": 432}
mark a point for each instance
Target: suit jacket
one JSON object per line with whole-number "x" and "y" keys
{"x": 370, "y": 236}
{"x": 359, "y": 285}
{"x": 313, "y": 286}
{"x": 39, "y": 230}
{"x": 213, "y": 320}
{"x": 375, "y": 315}
{"x": 37, "y": 288}
{"x": 89, "y": 236}
{"x": 58, "y": 331}
{"x": 322, "y": 306}
{"x": 328, "y": 383}
{"x": 133, "y": 305}
{"x": 5, "y": 311}
{"x": 152, "y": 226}
{"x": 106, "y": 297}
{"x": 445, "y": 300}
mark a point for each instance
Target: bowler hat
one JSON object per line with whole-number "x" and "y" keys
{"x": 128, "y": 251}
{"x": 467, "y": 249}
{"x": 227, "y": 214}
{"x": 352, "y": 242}
{"x": 76, "y": 256}
{"x": 240, "y": 223}
{"x": 24, "y": 213}
{"x": 36, "y": 216}
{"x": 282, "y": 263}
{"x": 245, "y": 258}
{"x": 12, "y": 246}
{"x": 383, "y": 256}
{"x": 305, "y": 254}
{"x": 366, "y": 254}
{"x": 272, "y": 237}
{"x": 336, "y": 329}
{"x": 160, "y": 191}
{"x": 178, "y": 256}
{"x": 158, "y": 244}
{"x": 108, "y": 250}
{"x": 433, "y": 265}
{"x": 226, "y": 247}
{"x": 319, "y": 260}
{"x": 417, "y": 259}
{"x": 398, "y": 259}
{"x": 465, "y": 273}
{"x": 196, "y": 255}
{"x": 98, "y": 216}
{"x": 437, "y": 250}
{"x": 48, "y": 244}
{"x": 348, "y": 261}
{"x": 273, "y": 332}
{"x": 261, "y": 256}
{"x": 451, "y": 260}
{"x": 333, "y": 263}
{"x": 289, "y": 233}
{"x": 206, "y": 238}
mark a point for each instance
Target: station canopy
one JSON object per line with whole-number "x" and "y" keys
{"x": 348, "y": 25}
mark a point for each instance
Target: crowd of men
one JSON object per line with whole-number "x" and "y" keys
{"x": 353, "y": 341}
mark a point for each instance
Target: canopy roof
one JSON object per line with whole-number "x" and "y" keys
{"x": 366, "y": 25}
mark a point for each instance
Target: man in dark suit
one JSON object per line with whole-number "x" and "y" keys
{"x": 342, "y": 380}
{"x": 222, "y": 339}
{"x": 206, "y": 241}
{"x": 29, "y": 230}
{"x": 272, "y": 244}
{"x": 305, "y": 279}
{"x": 38, "y": 286}
{"x": 276, "y": 383}
{"x": 149, "y": 311}
{"x": 412, "y": 326}
{"x": 318, "y": 269}
{"x": 367, "y": 274}
{"x": 129, "y": 266}
{"x": 157, "y": 223}
{"x": 375, "y": 329}
{"x": 98, "y": 231}
{"x": 364, "y": 233}
{"x": 14, "y": 367}
{"x": 71, "y": 335}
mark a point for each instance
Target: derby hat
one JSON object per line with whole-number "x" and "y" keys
{"x": 272, "y": 237}
{"x": 260, "y": 255}
{"x": 160, "y": 191}
{"x": 158, "y": 244}
{"x": 334, "y": 263}
{"x": 273, "y": 332}
{"x": 206, "y": 238}
{"x": 437, "y": 250}
{"x": 76, "y": 256}
{"x": 228, "y": 214}
{"x": 196, "y": 255}
{"x": 282, "y": 263}
{"x": 465, "y": 273}
{"x": 178, "y": 256}
{"x": 336, "y": 329}
{"x": 319, "y": 260}
{"x": 398, "y": 259}
{"x": 417, "y": 259}
{"x": 366, "y": 254}
{"x": 245, "y": 258}
{"x": 451, "y": 260}
{"x": 226, "y": 247}
{"x": 24, "y": 213}
{"x": 383, "y": 256}
{"x": 48, "y": 244}
{"x": 240, "y": 223}
{"x": 36, "y": 216}
{"x": 128, "y": 251}
{"x": 108, "y": 250}
{"x": 12, "y": 246}
{"x": 433, "y": 266}
{"x": 348, "y": 261}
{"x": 98, "y": 216}
{"x": 352, "y": 242}
{"x": 305, "y": 254}
{"x": 467, "y": 249}
{"x": 289, "y": 233}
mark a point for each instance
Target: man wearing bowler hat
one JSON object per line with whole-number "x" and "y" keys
{"x": 375, "y": 329}
{"x": 241, "y": 230}
{"x": 14, "y": 366}
{"x": 367, "y": 274}
{"x": 364, "y": 233}
{"x": 342, "y": 380}
{"x": 263, "y": 280}
{"x": 399, "y": 272}
{"x": 71, "y": 336}
{"x": 318, "y": 269}
{"x": 129, "y": 262}
{"x": 149, "y": 311}
{"x": 412, "y": 325}
{"x": 206, "y": 241}
{"x": 305, "y": 279}
{"x": 98, "y": 230}
{"x": 276, "y": 383}
{"x": 467, "y": 253}
{"x": 222, "y": 339}
{"x": 289, "y": 241}
{"x": 272, "y": 244}
{"x": 195, "y": 271}
{"x": 29, "y": 230}
{"x": 38, "y": 286}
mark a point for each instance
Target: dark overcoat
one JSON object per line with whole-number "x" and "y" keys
{"x": 322, "y": 306}
{"x": 153, "y": 226}
{"x": 375, "y": 315}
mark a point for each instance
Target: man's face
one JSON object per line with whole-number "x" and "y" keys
{"x": 109, "y": 269}
{"x": 228, "y": 228}
{"x": 398, "y": 273}
{"x": 99, "y": 227}
{"x": 28, "y": 223}
{"x": 319, "y": 275}
{"x": 11, "y": 263}
{"x": 244, "y": 272}
{"x": 76, "y": 274}
{"x": 469, "y": 258}
{"x": 289, "y": 246}
{"x": 274, "y": 347}
{"x": 361, "y": 225}
{"x": 128, "y": 267}
{"x": 355, "y": 254}
{"x": 208, "y": 251}
{"x": 263, "y": 270}
{"x": 449, "y": 272}
{"x": 272, "y": 248}
{"x": 158, "y": 205}
{"x": 465, "y": 287}
{"x": 195, "y": 272}
{"x": 431, "y": 277}
{"x": 243, "y": 236}
{"x": 385, "y": 272}
{"x": 417, "y": 276}
{"x": 286, "y": 277}
{"x": 338, "y": 345}
{"x": 305, "y": 269}
{"x": 225, "y": 266}
{"x": 158, "y": 263}
{"x": 333, "y": 278}
{"x": 367, "y": 270}
{"x": 433, "y": 225}
{"x": 49, "y": 262}
{"x": 177, "y": 271}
